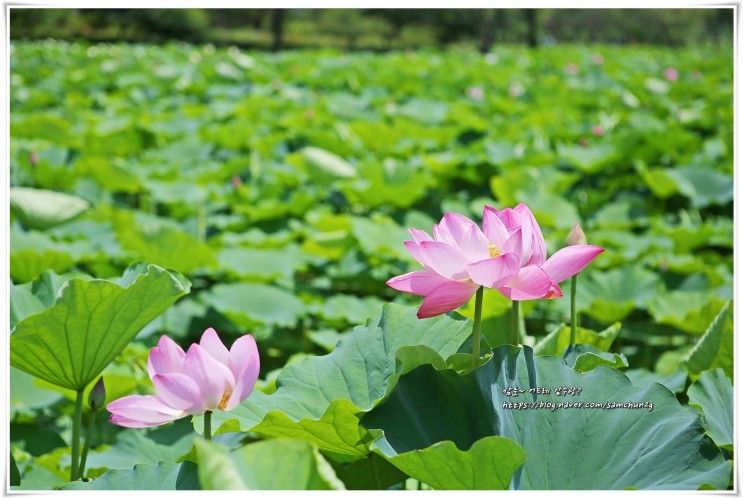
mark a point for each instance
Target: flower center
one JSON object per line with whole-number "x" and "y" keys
{"x": 493, "y": 251}
{"x": 225, "y": 399}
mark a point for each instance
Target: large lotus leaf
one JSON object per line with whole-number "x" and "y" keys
{"x": 249, "y": 305}
{"x": 370, "y": 472}
{"x": 41, "y": 473}
{"x": 41, "y": 209}
{"x": 587, "y": 357}
{"x": 37, "y": 440}
{"x": 443, "y": 466}
{"x": 319, "y": 399}
{"x": 90, "y": 323}
{"x": 659, "y": 180}
{"x": 26, "y": 394}
{"x": 393, "y": 183}
{"x": 424, "y": 110}
{"x": 325, "y": 165}
{"x": 550, "y": 209}
{"x": 455, "y": 459}
{"x": 587, "y": 158}
{"x": 713, "y": 394}
{"x": 622, "y": 214}
{"x": 350, "y": 309}
{"x": 33, "y": 297}
{"x": 33, "y": 252}
{"x": 691, "y": 232}
{"x": 591, "y": 348}
{"x": 166, "y": 246}
{"x": 675, "y": 381}
{"x": 328, "y": 234}
{"x": 133, "y": 447}
{"x": 610, "y": 296}
{"x": 567, "y": 448}
{"x": 99, "y": 235}
{"x": 505, "y": 186}
{"x": 26, "y": 265}
{"x": 23, "y": 303}
{"x": 327, "y": 339}
{"x": 715, "y": 347}
{"x": 690, "y": 311}
{"x": 273, "y": 464}
{"x": 45, "y": 125}
{"x": 113, "y": 174}
{"x": 703, "y": 186}
{"x": 626, "y": 247}
{"x": 262, "y": 264}
{"x": 380, "y": 236}
{"x": 558, "y": 340}
{"x": 163, "y": 476}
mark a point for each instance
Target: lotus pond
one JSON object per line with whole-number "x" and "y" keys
{"x": 159, "y": 191}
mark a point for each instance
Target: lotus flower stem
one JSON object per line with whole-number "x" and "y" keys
{"x": 208, "y": 425}
{"x": 76, "y": 422}
{"x": 476, "y": 326}
{"x": 516, "y": 326}
{"x": 573, "y": 313}
{"x": 86, "y": 446}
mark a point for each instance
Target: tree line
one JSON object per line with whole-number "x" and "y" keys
{"x": 378, "y": 28}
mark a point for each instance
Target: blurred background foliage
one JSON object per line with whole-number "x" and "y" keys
{"x": 378, "y": 29}
{"x": 281, "y": 183}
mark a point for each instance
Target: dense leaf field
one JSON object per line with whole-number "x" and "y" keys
{"x": 196, "y": 187}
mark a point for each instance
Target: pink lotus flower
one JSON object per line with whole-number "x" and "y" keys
{"x": 508, "y": 254}
{"x": 671, "y": 74}
{"x": 206, "y": 378}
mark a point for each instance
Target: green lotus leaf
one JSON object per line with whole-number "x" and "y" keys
{"x": 165, "y": 245}
{"x": 610, "y": 296}
{"x": 387, "y": 183}
{"x": 33, "y": 297}
{"x": 325, "y": 164}
{"x": 715, "y": 347}
{"x": 488, "y": 465}
{"x": 273, "y": 464}
{"x": 690, "y": 311}
{"x": 33, "y": 252}
{"x": 350, "y": 309}
{"x": 249, "y": 305}
{"x": 676, "y": 381}
{"x": 566, "y": 448}
{"x": 713, "y": 394}
{"x": 26, "y": 394}
{"x": 262, "y": 264}
{"x": 163, "y": 476}
{"x": 587, "y": 158}
{"x": 90, "y": 323}
{"x": 558, "y": 340}
{"x": 369, "y": 472}
{"x": 380, "y": 236}
{"x": 41, "y": 209}
{"x": 133, "y": 447}
{"x": 587, "y": 357}
{"x": 703, "y": 186}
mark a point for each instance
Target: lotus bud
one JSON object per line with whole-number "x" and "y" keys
{"x": 97, "y": 396}
{"x": 576, "y": 236}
